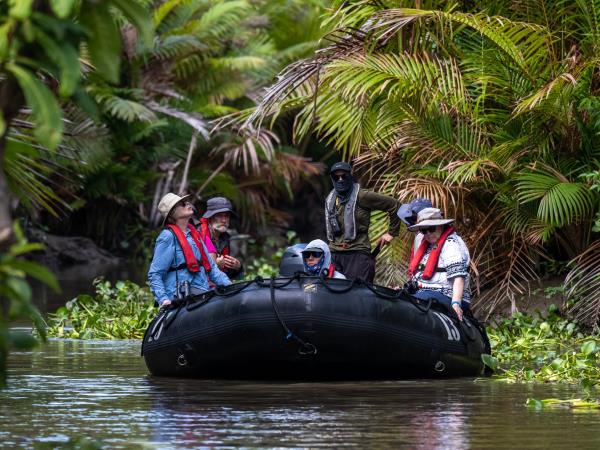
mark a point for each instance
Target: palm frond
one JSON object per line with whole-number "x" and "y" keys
{"x": 583, "y": 287}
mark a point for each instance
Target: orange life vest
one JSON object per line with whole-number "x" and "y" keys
{"x": 434, "y": 256}
{"x": 191, "y": 262}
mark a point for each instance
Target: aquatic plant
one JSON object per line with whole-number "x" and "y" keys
{"x": 122, "y": 311}
{"x": 533, "y": 348}
{"x": 572, "y": 403}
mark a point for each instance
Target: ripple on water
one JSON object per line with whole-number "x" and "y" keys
{"x": 102, "y": 389}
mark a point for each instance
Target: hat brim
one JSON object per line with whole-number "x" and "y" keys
{"x": 313, "y": 249}
{"x": 211, "y": 212}
{"x": 185, "y": 197}
{"x": 404, "y": 211}
{"x": 430, "y": 223}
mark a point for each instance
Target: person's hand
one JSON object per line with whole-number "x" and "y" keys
{"x": 165, "y": 303}
{"x": 232, "y": 263}
{"x": 458, "y": 310}
{"x": 385, "y": 239}
{"x": 221, "y": 262}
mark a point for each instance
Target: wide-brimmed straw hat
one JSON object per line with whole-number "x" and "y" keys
{"x": 217, "y": 205}
{"x": 168, "y": 203}
{"x": 429, "y": 217}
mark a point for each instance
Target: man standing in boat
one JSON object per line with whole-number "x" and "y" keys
{"x": 347, "y": 219}
{"x": 214, "y": 230}
{"x": 180, "y": 265}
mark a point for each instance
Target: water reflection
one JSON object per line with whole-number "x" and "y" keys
{"x": 102, "y": 390}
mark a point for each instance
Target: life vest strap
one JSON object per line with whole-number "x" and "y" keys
{"x": 421, "y": 267}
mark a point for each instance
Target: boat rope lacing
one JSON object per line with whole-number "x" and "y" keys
{"x": 306, "y": 348}
{"x": 195, "y": 301}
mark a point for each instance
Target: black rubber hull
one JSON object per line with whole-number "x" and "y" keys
{"x": 311, "y": 333}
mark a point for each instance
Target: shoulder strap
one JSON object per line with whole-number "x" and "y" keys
{"x": 434, "y": 256}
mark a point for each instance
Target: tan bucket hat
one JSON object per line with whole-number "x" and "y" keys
{"x": 428, "y": 217}
{"x": 168, "y": 202}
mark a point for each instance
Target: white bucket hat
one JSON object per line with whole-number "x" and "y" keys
{"x": 428, "y": 217}
{"x": 168, "y": 202}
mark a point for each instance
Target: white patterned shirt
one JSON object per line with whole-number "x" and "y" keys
{"x": 454, "y": 258}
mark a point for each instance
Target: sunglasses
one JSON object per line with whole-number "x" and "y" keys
{"x": 430, "y": 229}
{"x": 340, "y": 177}
{"x": 309, "y": 254}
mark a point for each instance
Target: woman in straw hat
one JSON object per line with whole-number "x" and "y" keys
{"x": 439, "y": 263}
{"x": 181, "y": 264}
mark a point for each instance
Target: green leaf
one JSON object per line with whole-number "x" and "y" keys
{"x": 104, "y": 39}
{"x": 62, "y": 8}
{"x": 138, "y": 16}
{"x": 22, "y": 340}
{"x": 86, "y": 103}
{"x": 20, "y": 9}
{"x": 2, "y": 124}
{"x": 46, "y": 112}
{"x": 4, "y": 31}
{"x": 20, "y": 288}
{"x": 37, "y": 271}
{"x": 533, "y": 403}
{"x": 589, "y": 347}
{"x": 67, "y": 60}
{"x": 490, "y": 361}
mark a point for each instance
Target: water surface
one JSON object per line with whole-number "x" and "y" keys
{"x": 101, "y": 389}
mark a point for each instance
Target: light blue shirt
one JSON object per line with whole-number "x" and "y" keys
{"x": 167, "y": 254}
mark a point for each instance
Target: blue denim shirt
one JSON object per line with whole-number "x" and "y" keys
{"x": 167, "y": 254}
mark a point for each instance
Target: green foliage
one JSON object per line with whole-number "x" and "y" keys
{"x": 528, "y": 348}
{"x": 15, "y": 297}
{"x": 73, "y": 443}
{"x": 480, "y": 106}
{"x": 122, "y": 311}
{"x": 268, "y": 256}
{"x": 553, "y": 403}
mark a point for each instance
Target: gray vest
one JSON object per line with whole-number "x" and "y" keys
{"x": 349, "y": 217}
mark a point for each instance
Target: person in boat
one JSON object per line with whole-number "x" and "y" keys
{"x": 317, "y": 260}
{"x": 181, "y": 264}
{"x": 347, "y": 220}
{"x": 439, "y": 263}
{"x": 408, "y": 211}
{"x": 214, "y": 230}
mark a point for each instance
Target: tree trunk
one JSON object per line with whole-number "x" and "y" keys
{"x": 188, "y": 161}
{"x": 11, "y": 101}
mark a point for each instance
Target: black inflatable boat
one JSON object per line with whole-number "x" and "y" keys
{"x": 311, "y": 328}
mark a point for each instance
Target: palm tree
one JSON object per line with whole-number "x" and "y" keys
{"x": 491, "y": 112}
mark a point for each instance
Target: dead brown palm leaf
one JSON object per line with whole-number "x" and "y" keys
{"x": 583, "y": 287}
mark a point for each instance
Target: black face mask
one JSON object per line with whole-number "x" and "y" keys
{"x": 344, "y": 185}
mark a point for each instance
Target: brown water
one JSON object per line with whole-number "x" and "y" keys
{"x": 101, "y": 389}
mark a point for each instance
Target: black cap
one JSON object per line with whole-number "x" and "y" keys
{"x": 341, "y": 166}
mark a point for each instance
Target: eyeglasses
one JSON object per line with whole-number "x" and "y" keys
{"x": 309, "y": 254}
{"x": 430, "y": 229}
{"x": 340, "y": 177}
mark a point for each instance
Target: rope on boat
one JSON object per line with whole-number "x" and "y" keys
{"x": 195, "y": 301}
{"x": 306, "y": 348}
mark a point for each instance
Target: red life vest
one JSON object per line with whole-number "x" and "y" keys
{"x": 330, "y": 270}
{"x": 205, "y": 232}
{"x": 190, "y": 259}
{"x": 434, "y": 256}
